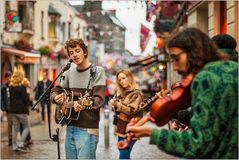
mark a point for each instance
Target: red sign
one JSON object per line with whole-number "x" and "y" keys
{"x": 144, "y": 37}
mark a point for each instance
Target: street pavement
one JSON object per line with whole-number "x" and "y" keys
{"x": 45, "y": 148}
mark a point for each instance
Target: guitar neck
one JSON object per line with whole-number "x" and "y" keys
{"x": 149, "y": 101}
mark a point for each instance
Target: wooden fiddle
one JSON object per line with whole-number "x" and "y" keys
{"x": 165, "y": 107}
{"x": 150, "y": 100}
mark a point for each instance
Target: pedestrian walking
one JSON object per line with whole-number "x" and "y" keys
{"x": 27, "y": 84}
{"x": 88, "y": 81}
{"x": 19, "y": 101}
{"x": 5, "y": 97}
{"x": 127, "y": 106}
{"x": 213, "y": 131}
{"x": 45, "y": 101}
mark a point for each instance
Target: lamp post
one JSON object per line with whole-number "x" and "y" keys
{"x": 106, "y": 126}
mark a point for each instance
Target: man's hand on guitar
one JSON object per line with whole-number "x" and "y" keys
{"x": 60, "y": 98}
{"x": 79, "y": 105}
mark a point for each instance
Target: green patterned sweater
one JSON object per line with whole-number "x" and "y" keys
{"x": 213, "y": 129}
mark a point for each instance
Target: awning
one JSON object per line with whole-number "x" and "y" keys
{"x": 23, "y": 56}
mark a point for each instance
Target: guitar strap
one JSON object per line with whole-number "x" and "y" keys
{"x": 92, "y": 74}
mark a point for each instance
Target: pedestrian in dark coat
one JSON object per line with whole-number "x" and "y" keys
{"x": 40, "y": 89}
{"x": 5, "y": 95}
{"x": 19, "y": 101}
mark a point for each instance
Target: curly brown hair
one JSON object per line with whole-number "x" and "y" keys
{"x": 73, "y": 42}
{"x": 200, "y": 49}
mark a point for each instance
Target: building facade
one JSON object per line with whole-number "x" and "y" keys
{"x": 215, "y": 17}
{"x": 33, "y": 35}
{"x": 212, "y": 17}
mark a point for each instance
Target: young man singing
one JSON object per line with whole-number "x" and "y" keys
{"x": 82, "y": 134}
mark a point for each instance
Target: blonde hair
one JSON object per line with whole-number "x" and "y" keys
{"x": 132, "y": 82}
{"x": 26, "y": 82}
{"x": 18, "y": 76}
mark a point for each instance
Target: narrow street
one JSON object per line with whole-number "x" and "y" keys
{"x": 45, "y": 148}
{"x": 176, "y": 59}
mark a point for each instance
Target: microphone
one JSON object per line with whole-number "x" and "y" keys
{"x": 68, "y": 65}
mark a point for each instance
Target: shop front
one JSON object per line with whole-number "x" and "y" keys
{"x": 11, "y": 57}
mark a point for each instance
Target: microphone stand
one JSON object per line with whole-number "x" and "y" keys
{"x": 54, "y": 137}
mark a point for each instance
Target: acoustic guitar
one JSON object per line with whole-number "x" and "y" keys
{"x": 65, "y": 113}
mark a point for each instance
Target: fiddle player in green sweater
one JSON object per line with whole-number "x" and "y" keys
{"x": 213, "y": 131}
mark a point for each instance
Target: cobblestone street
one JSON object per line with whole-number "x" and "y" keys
{"x": 45, "y": 148}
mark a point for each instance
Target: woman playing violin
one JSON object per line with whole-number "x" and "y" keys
{"x": 127, "y": 104}
{"x": 213, "y": 131}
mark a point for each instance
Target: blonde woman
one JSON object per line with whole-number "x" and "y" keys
{"x": 127, "y": 106}
{"x": 19, "y": 100}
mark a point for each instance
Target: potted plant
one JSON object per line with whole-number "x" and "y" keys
{"x": 44, "y": 50}
{"x": 23, "y": 44}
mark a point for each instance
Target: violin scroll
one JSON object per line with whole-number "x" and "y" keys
{"x": 124, "y": 144}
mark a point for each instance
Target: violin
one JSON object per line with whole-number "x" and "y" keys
{"x": 165, "y": 107}
{"x": 150, "y": 100}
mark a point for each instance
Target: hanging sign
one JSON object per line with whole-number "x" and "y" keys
{"x": 12, "y": 22}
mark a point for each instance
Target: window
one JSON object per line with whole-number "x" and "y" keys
{"x": 84, "y": 33}
{"x": 52, "y": 26}
{"x": 21, "y": 11}
{"x": 7, "y": 6}
{"x": 26, "y": 14}
{"x": 69, "y": 29}
{"x": 42, "y": 24}
{"x": 63, "y": 32}
{"x": 78, "y": 31}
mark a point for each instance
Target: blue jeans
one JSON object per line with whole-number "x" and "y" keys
{"x": 44, "y": 103}
{"x": 29, "y": 134}
{"x": 79, "y": 144}
{"x": 16, "y": 120}
{"x": 125, "y": 153}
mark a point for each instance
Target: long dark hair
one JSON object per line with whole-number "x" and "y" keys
{"x": 200, "y": 49}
